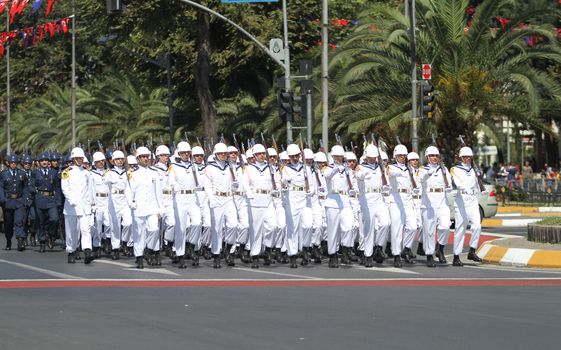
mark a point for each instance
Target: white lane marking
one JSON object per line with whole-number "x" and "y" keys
{"x": 152, "y": 270}
{"x": 38, "y": 269}
{"x": 549, "y": 209}
{"x": 387, "y": 269}
{"x": 116, "y": 263}
{"x": 274, "y": 273}
{"x": 508, "y": 214}
{"x": 517, "y": 257}
{"x": 519, "y": 222}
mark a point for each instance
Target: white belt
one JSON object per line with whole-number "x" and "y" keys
{"x": 297, "y": 188}
{"x": 402, "y": 190}
{"x": 186, "y": 192}
{"x": 260, "y": 191}
{"x": 116, "y": 191}
{"x": 437, "y": 189}
{"x": 373, "y": 190}
{"x": 223, "y": 194}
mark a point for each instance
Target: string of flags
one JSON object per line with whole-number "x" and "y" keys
{"x": 31, "y": 35}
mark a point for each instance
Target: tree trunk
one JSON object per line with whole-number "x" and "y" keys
{"x": 202, "y": 77}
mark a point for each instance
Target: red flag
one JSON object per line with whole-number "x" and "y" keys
{"x": 22, "y": 5}
{"x": 64, "y": 24}
{"x": 14, "y": 10}
{"x": 50, "y": 5}
{"x": 51, "y": 27}
{"x": 3, "y": 4}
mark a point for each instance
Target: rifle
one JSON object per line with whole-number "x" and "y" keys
{"x": 276, "y": 148}
{"x": 475, "y": 167}
{"x": 271, "y": 170}
{"x": 345, "y": 164}
{"x": 306, "y": 180}
{"x": 380, "y": 161}
{"x": 240, "y": 159}
{"x": 193, "y": 165}
{"x": 446, "y": 184}
{"x": 408, "y": 167}
{"x": 315, "y": 169}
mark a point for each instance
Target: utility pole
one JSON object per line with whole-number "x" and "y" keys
{"x": 410, "y": 10}
{"x": 286, "y": 68}
{"x": 8, "y": 112}
{"x": 73, "y": 88}
{"x": 324, "y": 75}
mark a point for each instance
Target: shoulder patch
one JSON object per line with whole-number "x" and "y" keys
{"x": 65, "y": 174}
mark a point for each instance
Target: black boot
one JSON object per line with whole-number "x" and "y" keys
{"x": 420, "y": 249}
{"x": 245, "y": 257}
{"x": 216, "y": 263}
{"x": 42, "y": 247}
{"x": 430, "y": 261}
{"x": 229, "y": 256}
{"x": 96, "y": 253}
{"x": 32, "y": 240}
{"x": 195, "y": 258}
{"x": 157, "y": 259}
{"x": 457, "y": 261}
{"x": 397, "y": 261}
{"x": 50, "y": 241}
{"x": 317, "y": 255}
{"x": 21, "y": 245}
{"x": 368, "y": 262}
{"x": 190, "y": 248}
{"x": 410, "y": 253}
{"x": 88, "y": 257}
{"x": 254, "y": 262}
{"x": 305, "y": 256}
{"x": 472, "y": 256}
{"x": 8, "y": 245}
{"x": 71, "y": 258}
{"x": 405, "y": 256}
{"x": 333, "y": 261}
{"x": 181, "y": 262}
{"x": 139, "y": 262}
{"x": 293, "y": 263}
{"x": 439, "y": 253}
{"x": 149, "y": 256}
{"x": 267, "y": 257}
{"x": 345, "y": 259}
{"x": 284, "y": 258}
{"x": 378, "y": 254}
{"x": 115, "y": 254}
{"x": 389, "y": 250}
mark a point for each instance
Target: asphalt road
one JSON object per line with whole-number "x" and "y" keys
{"x": 49, "y": 304}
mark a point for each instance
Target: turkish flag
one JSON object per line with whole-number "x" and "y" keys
{"x": 50, "y": 5}
{"x": 3, "y": 4}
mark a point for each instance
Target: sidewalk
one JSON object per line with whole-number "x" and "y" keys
{"x": 517, "y": 251}
{"x": 519, "y": 216}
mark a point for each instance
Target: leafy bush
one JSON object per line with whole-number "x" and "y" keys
{"x": 550, "y": 221}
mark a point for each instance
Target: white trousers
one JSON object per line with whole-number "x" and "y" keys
{"x": 78, "y": 230}
{"x": 145, "y": 233}
{"x": 339, "y": 221}
{"x": 299, "y": 223}
{"x": 435, "y": 219}
{"x": 187, "y": 227}
{"x": 102, "y": 226}
{"x": 376, "y": 225}
{"x": 223, "y": 226}
{"x": 467, "y": 215}
{"x": 403, "y": 225}
{"x": 121, "y": 220}
{"x": 242, "y": 235}
{"x": 262, "y": 223}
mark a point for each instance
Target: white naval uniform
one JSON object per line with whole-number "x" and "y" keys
{"x": 278, "y": 238}
{"x": 261, "y": 209}
{"x": 298, "y": 206}
{"x": 186, "y": 206}
{"x": 417, "y": 199}
{"x": 101, "y": 228}
{"x": 375, "y": 213}
{"x": 120, "y": 216}
{"x": 77, "y": 188}
{"x": 167, "y": 183}
{"x": 466, "y": 206}
{"x": 339, "y": 214}
{"x": 402, "y": 213}
{"x": 434, "y": 205}
{"x": 240, "y": 201}
{"x": 205, "y": 208}
{"x": 224, "y": 219}
{"x": 145, "y": 196}
{"x": 318, "y": 211}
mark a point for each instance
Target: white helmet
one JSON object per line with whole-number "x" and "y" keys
{"x": 371, "y": 151}
{"x": 284, "y": 156}
{"x": 308, "y": 153}
{"x": 220, "y": 148}
{"x": 183, "y": 147}
{"x": 131, "y": 160}
{"x": 258, "y": 148}
{"x": 198, "y": 150}
{"x": 320, "y": 157}
{"x": 350, "y": 156}
{"x": 431, "y": 150}
{"x": 77, "y": 152}
{"x": 383, "y": 155}
{"x": 86, "y": 160}
{"x": 162, "y": 150}
{"x": 249, "y": 153}
{"x": 210, "y": 158}
{"x": 142, "y": 151}
{"x": 232, "y": 149}
{"x": 466, "y": 152}
{"x": 175, "y": 156}
{"x": 337, "y": 151}
{"x": 272, "y": 152}
{"x": 97, "y": 156}
{"x": 117, "y": 155}
{"x": 412, "y": 156}
{"x": 292, "y": 150}
{"x": 400, "y": 150}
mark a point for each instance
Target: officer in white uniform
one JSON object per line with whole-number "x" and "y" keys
{"x": 167, "y": 185}
{"x": 402, "y": 213}
{"x": 186, "y": 206}
{"x": 145, "y": 197}
{"x": 436, "y": 182}
{"x": 77, "y": 188}
{"x": 356, "y": 240}
{"x": 375, "y": 213}
{"x": 120, "y": 217}
{"x": 338, "y": 209}
{"x": 204, "y": 243}
{"x": 318, "y": 196}
{"x": 242, "y": 235}
{"x": 219, "y": 189}
{"x": 414, "y": 162}
{"x": 297, "y": 178}
{"x": 467, "y": 207}
{"x": 277, "y": 241}
{"x": 262, "y": 183}
{"x": 101, "y": 230}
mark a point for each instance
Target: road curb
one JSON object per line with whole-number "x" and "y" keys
{"x": 508, "y": 222}
{"x": 526, "y": 210}
{"x": 493, "y": 254}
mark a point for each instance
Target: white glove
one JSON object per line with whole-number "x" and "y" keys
{"x": 352, "y": 193}
{"x": 133, "y": 205}
{"x": 199, "y": 188}
{"x": 386, "y": 189}
{"x": 416, "y": 191}
{"x": 449, "y": 189}
{"x": 235, "y": 185}
{"x": 322, "y": 189}
{"x": 341, "y": 168}
{"x": 276, "y": 193}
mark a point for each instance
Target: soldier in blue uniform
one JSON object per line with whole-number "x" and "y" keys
{"x": 29, "y": 222}
{"x": 13, "y": 197}
{"x": 48, "y": 200}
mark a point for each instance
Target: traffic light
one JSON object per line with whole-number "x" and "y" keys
{"x": 427, "y": 100}
{"x": 286, "y": 101}
{"x": 114, "y": 6}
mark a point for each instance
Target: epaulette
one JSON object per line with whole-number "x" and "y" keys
{"x": 65, "y": 173}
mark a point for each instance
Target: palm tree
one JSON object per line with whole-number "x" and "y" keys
{"x": 481, "y": 74}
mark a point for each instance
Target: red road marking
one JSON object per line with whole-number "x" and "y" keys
{"x": 279, "y": 283}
